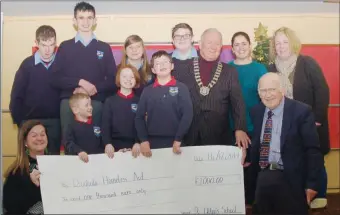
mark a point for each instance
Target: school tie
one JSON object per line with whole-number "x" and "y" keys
{"x": 265, "y": 145}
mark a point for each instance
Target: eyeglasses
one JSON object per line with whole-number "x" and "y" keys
{"x": 158, "y": 64}
{"x": 265, "y": 91}
{"x": 185, "y": 36}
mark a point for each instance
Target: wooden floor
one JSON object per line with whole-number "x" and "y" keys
{"x": 333, "y": 207}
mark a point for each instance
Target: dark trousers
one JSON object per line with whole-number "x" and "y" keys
{"x": 160, "y": 142}
{"x": 274, "y": 195}
{"x": 322, "y": 192}
{"x": 122, "y": 143}
{"x": 249, "y": 185}
{"x": 67, "y": 117}
{"x": 53, "y": 133}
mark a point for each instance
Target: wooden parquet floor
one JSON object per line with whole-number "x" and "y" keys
{"x": 333, "y": 206}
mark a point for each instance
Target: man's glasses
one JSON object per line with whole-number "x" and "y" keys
{"x": 185, "y": 37}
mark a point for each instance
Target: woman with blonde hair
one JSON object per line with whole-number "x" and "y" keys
{"x": 21, "y": 191}
{"x": 134, "y": 53}
{"x": 303, "y": 80}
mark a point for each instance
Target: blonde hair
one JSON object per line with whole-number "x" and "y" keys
{"x": 294, "y": 42}
{"x": 146, "y": 71}
{"x": 21, "y": 162}
{"x": 75, "y": 98}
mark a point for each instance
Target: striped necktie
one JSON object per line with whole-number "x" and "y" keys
{"x": 265, "y": 145}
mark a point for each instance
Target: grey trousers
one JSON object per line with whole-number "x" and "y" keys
{"x": 67, "y": 117}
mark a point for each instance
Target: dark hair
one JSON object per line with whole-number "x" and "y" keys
{"x": 84, "y": 6}
{"x": 181, "y": 25}
{"x": 159, "y": 54}
{"x": 240, "y": 33}
{"x": 45, "y": 32}
{"x": 21, "y": 162}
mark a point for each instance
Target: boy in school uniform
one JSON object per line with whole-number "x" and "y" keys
{"x": 84, "y": 65}
{"x": 32, "y": 96}
{"x": 168, "y": 107}
{"x": 118, "y": 122}
{"x": 83, "y": 137}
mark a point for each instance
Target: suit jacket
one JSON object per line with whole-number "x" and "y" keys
{"x": 310, "y": 87}
{"x": 300, "y": 149}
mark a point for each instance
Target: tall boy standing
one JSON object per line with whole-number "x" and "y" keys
{"x": 32, "y": 96}
{"x": 84, "y": 65}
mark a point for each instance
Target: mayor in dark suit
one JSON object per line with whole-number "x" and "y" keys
{"x": 286, "y": 159}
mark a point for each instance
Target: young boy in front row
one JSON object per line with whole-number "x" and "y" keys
{"x": 82, "y": 136}
{"x": 165, "y": 109}
{"x": 118, "y": 122}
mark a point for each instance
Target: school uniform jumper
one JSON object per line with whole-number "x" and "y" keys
{"x": 33, "y": 97}
{"x": 93, "y": 62}
{"x": 164, "y": 114}
{"x": 83, "y": 136}
{"x": 118, "y": 122}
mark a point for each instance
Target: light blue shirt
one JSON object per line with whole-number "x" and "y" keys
{"x": 191, "y": 54}
{"x": 139, "y": 66}
{"x": 275, "y": 145}
{"x": 79, "y": 38}
{"x": 37, "y": 60}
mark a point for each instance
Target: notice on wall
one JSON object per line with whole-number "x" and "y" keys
{"x": 202, "y": 180}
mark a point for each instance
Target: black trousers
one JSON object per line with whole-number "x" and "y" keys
{"x": 122, "y": 143}
{"x": 160, "y": 142}
{"x": 274, "y": 195}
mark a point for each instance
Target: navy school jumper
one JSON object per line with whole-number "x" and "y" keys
{"x": 118, "y": 121}
{"x": 164, "y": 114}
{"x": 94, "y": 63}
{"x": 83, "y": 137}
{"x": 32, "y": 96}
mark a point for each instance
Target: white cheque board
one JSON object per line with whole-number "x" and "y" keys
{"x": 202, "y": 180}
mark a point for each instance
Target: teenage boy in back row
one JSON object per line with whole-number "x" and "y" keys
{"x": 84, "y": 65}
{"x": 32, "y": 96}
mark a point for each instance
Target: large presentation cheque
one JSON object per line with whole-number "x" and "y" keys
{"x": 202, "y": 180}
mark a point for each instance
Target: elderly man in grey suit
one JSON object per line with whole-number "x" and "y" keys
{"x": 286, "y": 157}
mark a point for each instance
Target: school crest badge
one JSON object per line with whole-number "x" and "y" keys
{"x": 96, "y": 131}
{"x": 173, "y": 91}
{"x": 100, "y": 54}
{"x": 134, "y": 107}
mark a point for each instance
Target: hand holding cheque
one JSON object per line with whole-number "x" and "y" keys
{"x": 206, "y": 179}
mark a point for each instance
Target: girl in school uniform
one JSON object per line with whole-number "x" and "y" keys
{"x": 134, "y": 54}
{"x": 118, "y": 126}
{"x": 168, "y": 106}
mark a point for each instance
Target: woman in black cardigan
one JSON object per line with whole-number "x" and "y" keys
{"x": 304, "y": 81}
{"x": 21, "y": 191}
